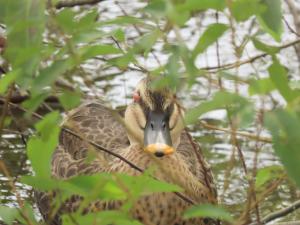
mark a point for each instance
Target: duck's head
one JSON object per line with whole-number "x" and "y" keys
{"x": 154, "y": 119}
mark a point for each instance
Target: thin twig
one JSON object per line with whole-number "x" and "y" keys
{"x": 72, "y": 3}
{"x": 239, "y": 133}
{"x": 289, "y": 223}
{"x": 250, "y": 60}
{"x": 274, "y": 185}
{"x": 289, "y": 27}
{"x": 280, "y": 213}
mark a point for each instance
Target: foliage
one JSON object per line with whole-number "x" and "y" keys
{"x": 209, "y": 211}
{"x": 46, "y": 46}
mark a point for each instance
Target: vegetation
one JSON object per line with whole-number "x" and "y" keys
{"x": 49, "y": 42}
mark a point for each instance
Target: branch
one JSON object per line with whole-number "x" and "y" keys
{"x": 250, "y": 60}
{"x": 280, "y": 213}
{"x": 295, "y": 13}
{"x": 72, "y": 3}
{"x": 239, "y": 133}
{"x": 289, "y": 223}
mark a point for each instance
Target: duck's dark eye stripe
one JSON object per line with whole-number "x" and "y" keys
{"x": 170, "y": 109}
{"x": 144, "y": 107}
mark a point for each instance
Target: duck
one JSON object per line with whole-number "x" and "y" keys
{"x": 151, "y": 132}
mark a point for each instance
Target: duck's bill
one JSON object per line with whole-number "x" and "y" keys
{"x": 159, "y": 149}
{"x": 157, "y": 139}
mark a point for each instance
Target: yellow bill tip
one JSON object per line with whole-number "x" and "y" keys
{"x": 159, "y": 149}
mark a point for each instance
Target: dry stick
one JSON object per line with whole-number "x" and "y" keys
{"x": 297, "y": 222}
{"x": 218, "y": 51}
{"x": 296, "y": 18}
{"x": 289, "y": 27}
{"x": 250, "y": 190}
{"x": 72, "y": 3}
{"x": 250, "y": 60}
{"x": 280, "y": 213}
{"x": 261, "y": 198}
{"x": 255, "y": 162}
{"x": 241, "y": 156}
{"x": 295, "y": 13}
{"x": 132, "y": 165}
{"x": 239, "y": 133}
{"x": 267, "y": 192}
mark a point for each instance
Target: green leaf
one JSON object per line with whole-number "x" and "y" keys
{"x": 48, "y": 75}
{"x": 266, "y": 174}
{"x": 261, "y": 86}
{"x": 24, "y": 33}
{"x": 156, "y": 7}
{"x": 209, "y": 211}
{"x": 89, "y": 52}
{"x": 41, "y": 183}
{"x": 48, "y": 125}
{"x": 65, "y": 20}
{"x": 279, "y": 77}
{"x": 8, "y": 79}
{"x": 270, "y": 20}
{"x": 34, "y": 101}
{"x": 119, "y": 35}
{"x": 70, "y": 99}
{"x": 123, "y": 20}
{"x": 104, "y": 217}
{"x": 171, "y": 78}
{"x": 210, "y": 35}
{"x": 40, "y": 149}
{"x": 88, "y": 21}
{"x": 146, "y": 42}
{"x": 8, "y": 214}
{"x": 264, "y": 47}
{"x": 136, "y": 184}
{"x": 284, "y": 127}
{"x": 221, "y": 100}
{"x": 87, "y": 36}
{"x": 243, "y": 9}
{"x": 99, "y": 186}
{"x": 122, "y": 61}
{"x": 195, "y": 5}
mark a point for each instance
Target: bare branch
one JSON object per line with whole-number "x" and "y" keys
{"x": 289, "y": 223}
{"x": 239, "y": 133}
{"x": 250, "y": 60}
{"x": 72, "y": 3}
{"x": 280, "y": 213}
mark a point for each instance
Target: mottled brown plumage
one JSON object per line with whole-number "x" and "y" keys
{"x": 95, "y": 122}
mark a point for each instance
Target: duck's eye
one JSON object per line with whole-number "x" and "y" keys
{"x": 136, "y": 96}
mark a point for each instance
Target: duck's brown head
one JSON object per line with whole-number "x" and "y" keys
{"x": 154, "y": 119}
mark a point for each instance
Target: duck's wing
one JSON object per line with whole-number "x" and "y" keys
{"x": 93, "y": 122}
{"x": 192, "y": 154}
